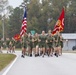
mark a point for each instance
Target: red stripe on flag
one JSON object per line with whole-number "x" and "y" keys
{"x": 24, "y": 25}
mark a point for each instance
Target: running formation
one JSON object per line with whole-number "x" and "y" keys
{"x": 36, "y": 45}
{"x": 42, "y": 44}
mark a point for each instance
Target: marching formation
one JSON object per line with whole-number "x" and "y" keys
{"x": 42, "y": 44}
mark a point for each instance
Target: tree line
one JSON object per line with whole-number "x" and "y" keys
{"x": 41, "y": 15}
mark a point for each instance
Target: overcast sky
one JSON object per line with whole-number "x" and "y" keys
{"x": 15, "y": 3}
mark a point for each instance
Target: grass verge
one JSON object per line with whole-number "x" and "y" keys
{"x": 6, "y": 59}
{"x": 69, "y": 51}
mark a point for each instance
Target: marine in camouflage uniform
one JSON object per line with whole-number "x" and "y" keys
{"x": 56, "y": 43}
{"x": 42, "y": 42}
{"x": 49, "y": 42}
{"x": 61, "y": 45}
{"x": 29, "y": 44}
{"x": 7, "y": 44}
{"x": 24, "y": 44}
{"x": 36, "y": 45}
{"x": 61, "y": 41}
{"x": 13, "y": 41}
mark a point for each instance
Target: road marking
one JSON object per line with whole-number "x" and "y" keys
{"x": 10, "y": 66}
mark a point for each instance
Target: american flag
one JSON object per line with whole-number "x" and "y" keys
{"x": 24, "y": 25}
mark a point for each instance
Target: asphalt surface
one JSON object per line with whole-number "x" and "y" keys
{"x": 62, "y": 65}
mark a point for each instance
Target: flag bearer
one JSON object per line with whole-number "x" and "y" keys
{"x": 24, "y": 44}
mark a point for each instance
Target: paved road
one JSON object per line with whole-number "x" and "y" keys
{"x": 63, "y": 65}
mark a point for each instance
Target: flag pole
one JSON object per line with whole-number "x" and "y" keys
{"x": 24, "y": 22}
